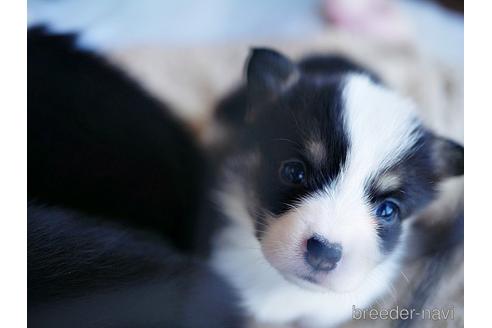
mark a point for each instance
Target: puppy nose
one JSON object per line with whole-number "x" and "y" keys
{"x": 322, "y": 255}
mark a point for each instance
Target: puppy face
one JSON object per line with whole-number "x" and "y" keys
{"x": 337, "y": 163}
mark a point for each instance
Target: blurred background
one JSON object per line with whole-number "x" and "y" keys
{"x": 190, "y": 54}
{"x": 437, "y": 26}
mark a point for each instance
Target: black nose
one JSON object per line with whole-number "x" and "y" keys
{"x": 322, "y": 255}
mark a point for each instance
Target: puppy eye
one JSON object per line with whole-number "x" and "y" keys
{"x": 292, "y": 172}
{"x": 388, "y": 211}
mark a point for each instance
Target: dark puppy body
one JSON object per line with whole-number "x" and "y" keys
{"x": 84, "y": 272}
{"x": 114, "y": 183}
{"x": 97, "y": 142}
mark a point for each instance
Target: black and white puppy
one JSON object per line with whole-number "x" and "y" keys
{"x": 319, "y": 186}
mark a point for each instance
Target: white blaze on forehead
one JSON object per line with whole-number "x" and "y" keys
{"x": 381, "y": 128}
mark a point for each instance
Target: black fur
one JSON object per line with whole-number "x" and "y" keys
{"x": 84, "y": 272}
{"x": 268, "y": 75}
{"x": 98, "y": 143}
{"x": 114, "y": 183}
{"x": 325, "y": 66}
{"x": 307, "y": 112}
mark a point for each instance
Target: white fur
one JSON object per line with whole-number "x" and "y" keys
{"x": 380, "y": 125}
{"x": 270, "y": 298}
{"x": 381, "y": 128}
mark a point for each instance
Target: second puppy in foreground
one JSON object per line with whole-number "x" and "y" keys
{"x": 319, "y": 186}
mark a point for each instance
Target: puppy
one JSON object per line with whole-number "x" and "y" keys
{"x": 324, "y": 170}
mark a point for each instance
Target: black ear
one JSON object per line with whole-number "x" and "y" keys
{"x": 448, "y": 157}
{"x": 268, "y": 74}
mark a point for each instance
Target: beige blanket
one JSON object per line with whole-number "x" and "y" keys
{"x": 191, "y": 80}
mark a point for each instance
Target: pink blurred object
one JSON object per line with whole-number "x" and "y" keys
{"x": 381, "y": 19}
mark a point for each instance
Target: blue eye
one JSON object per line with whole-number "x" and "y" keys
{"x": 292, "y": 172}
{"x": 387, "y": 211}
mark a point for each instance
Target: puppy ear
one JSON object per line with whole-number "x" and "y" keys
{"x": 448, "y": 157}
{"x": 268, "y": 74}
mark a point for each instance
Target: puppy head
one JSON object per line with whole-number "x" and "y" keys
{"x": 340, "y": 163}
